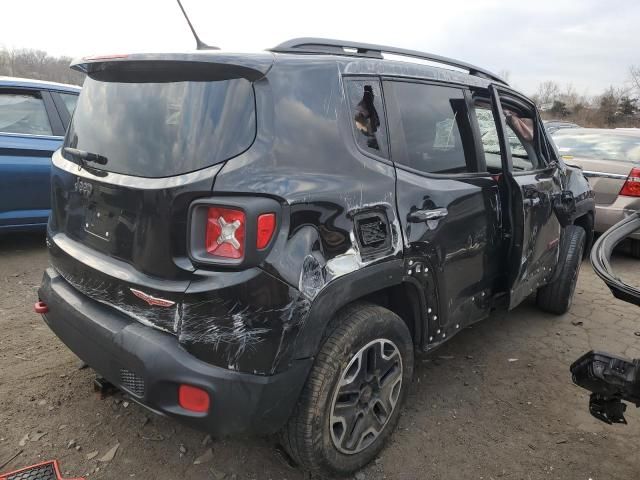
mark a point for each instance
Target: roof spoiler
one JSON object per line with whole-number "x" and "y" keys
{"x": 174, "y": 67}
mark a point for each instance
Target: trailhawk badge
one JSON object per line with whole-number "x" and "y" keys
{"x": 160, "y": 302}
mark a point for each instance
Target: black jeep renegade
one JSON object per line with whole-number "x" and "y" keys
{"x": 260, "y": 242}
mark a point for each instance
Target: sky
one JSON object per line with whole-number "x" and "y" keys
{"x": 588, "y": 44}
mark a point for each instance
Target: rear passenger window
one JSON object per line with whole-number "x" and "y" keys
{"x": 429, "y": 127}
{"x": 367, "y": 115}
{"x": 23, "y": 114}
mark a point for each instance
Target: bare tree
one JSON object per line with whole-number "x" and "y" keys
{"x": 634, "y": 73}
{"x": 546, "y": 94}
{"x": 37, "y": 64}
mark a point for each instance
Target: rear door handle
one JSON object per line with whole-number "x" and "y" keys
{"x": 425, "y": 215}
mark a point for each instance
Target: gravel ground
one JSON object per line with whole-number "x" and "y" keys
{"x": 495, "y": 402}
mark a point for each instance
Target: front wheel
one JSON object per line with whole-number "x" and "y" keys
{"x": 351, "y": 402}
{"x": 557, "y": 296}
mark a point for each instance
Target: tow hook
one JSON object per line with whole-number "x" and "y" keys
{"x": 40, "y": 307}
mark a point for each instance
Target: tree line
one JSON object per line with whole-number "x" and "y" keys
{"x": 39, "y": 65}
{"x": 615, "y": 107}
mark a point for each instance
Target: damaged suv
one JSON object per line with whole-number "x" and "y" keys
{"x": 259, "y": 243}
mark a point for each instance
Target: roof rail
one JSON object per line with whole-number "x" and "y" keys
{"x": 356, "y": 49}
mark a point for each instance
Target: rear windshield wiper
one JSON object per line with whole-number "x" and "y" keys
{"x": 85, "y": 156}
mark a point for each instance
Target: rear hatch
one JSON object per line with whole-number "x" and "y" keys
{"x": 160, "y": 128}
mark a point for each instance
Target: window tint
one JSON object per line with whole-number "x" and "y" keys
{"x": 369, "y": 128}
{"x": 163, "y": 129}
{"x": 429, "y": 128}
{"x": 70, "y": 101}
{"x": 23, "y": 113}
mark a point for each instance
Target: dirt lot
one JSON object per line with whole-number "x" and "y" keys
{"x": 472, "y": 413}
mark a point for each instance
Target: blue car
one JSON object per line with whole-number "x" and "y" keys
{"x": 34, "y": 115}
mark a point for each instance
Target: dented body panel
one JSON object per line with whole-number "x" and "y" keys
{"x": 351, "y": 225}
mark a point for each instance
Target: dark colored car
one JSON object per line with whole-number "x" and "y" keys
{"x": 33, "y": 118}
{"x": 259, "y": 243}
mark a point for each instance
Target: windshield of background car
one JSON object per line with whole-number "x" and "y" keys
{"x": 597, "y": 145}
{"x": 163, "y": 129}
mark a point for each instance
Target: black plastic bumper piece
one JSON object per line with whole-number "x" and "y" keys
{"x": 150, "y": 365}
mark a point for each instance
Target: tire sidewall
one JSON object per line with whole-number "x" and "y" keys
{"x": 572, "y": 261}
{"x": 381, "y": 326}
{"x": 575, "y": 272}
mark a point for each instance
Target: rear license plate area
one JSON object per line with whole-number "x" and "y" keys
{"x": 100, "y": 222}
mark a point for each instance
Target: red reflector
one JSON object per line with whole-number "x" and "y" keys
{"x": 225, "y": 232}
{"x": 266, "y": 226}
{"x": 41, "y": 307}
{"x": 631, "y": 187}
{"x": 193, "y": 399}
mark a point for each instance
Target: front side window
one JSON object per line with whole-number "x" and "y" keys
{"x": 521, "y": 139}
{"x": 365, "y": 100}
{"x": 520, "y": 133}
{"x": 23, "y": 113}
{"x": 429, "y": 128}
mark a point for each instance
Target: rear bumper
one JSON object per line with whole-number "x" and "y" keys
{"x": 609, "y": 215}
{"x": 150, "y": 364}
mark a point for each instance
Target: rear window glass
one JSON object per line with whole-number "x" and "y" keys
{"x": 597, "y": 145}
{"x": 24, "y": 114}
{"x": 429, "y": 128}
{"x": 367, "y": 114}
{"x": 163, "y": 129}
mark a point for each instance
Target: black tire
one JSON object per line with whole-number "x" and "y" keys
{"x": 557, "y": 296}
{"x": 309, "y": 437}
{"x": 634, "y": 248}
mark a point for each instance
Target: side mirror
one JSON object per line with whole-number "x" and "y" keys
{"x": 564, "y": 206}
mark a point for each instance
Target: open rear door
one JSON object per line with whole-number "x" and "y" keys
{"x": 531, "y": 184}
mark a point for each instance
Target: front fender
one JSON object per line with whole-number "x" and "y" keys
{"x": 576, "y": 183}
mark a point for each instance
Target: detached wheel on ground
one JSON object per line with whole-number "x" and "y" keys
{"x": 557, "y": 296}
{"x": 351, "y": 402}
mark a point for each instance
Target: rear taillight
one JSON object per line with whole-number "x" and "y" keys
{"x": 631, "y": 187}
{"x": 266, "y": 227}
{"x": 225, "y": 232}
{"x": 235, "y": 232}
